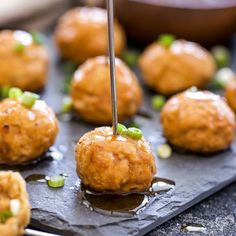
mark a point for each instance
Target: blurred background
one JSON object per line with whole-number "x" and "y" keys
{"x": 205, "y": 21}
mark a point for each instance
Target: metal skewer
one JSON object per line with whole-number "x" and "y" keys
{"x": 32, "y": 232}
{"x": 110, "y": 18}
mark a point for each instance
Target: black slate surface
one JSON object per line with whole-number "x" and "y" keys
{"x": 60, "y": 210}
{"x": 217, "y": 214}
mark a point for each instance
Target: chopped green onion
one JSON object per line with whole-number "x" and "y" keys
{"x": 15, "y": 206}
{"x": 130, "y": 57}
{"x": 69, "y": 67}
{"x": 135, "y": 125}
{"x": 66, "y": 104}
{"x": 223, "y": 77}
{"x": 15, "y": 93}
{"x": 37, "y": 37}
{"x": 166, "y": 40}
{"x": 4, "y": 91}
{"x": 19, "y": 47}
{"x": 67, "y": 84}
{"x": 121, "y": 129}
{"x": 56, "y": 181}
{"x": 5, "y": 215}
{"x": 135, "y": 133}
{"x": 193, "y": 89}
{"x": 158, "y": 102}
{"x": 28, "y": 99}
{"x": 221, "y": 55}
{"x": 164, "y": 151}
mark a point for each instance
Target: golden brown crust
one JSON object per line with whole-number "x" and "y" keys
{"x": 82, "y": 33}
{"x": 118, "y": 164}
{"x": 26, "y": 70}
{"x": 230, "y": 94}
{"x": 25, "y": 133}
{"x": 12, "y": 186}
{"x": 198, "y": 121}
{"x": 90, "y": 91}
{"x": 171, "y": 70}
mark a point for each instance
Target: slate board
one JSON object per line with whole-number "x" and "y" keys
{"x": 60, "y": 211}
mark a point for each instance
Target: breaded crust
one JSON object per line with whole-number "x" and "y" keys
{"x": 13, "y": 187}
{"x": 27, "y": 69}
{"x": 82, "y": 33}
{"x": 91, "y": 92}
{"x": 25, "y": 134}
{"x": 118, "y": 164}
{"x": 171, "y": 70}
{"x": 199, "y": 121}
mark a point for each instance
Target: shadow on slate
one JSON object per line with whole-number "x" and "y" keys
{"x": 60, "y": 211}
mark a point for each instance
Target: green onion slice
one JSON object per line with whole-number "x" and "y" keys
{"x": 4, "y": 91}
{"x": 5, "y": 215}
{"x": 193, "y": 89}
{"x": 67, "y": 84}
{"x": 56, "y": 181}
{"x": 19, "y": 47}
{"x": 164, "y": 151}
{"x": 166, "y": 40}
{"x": 223, "y": 77}
{"x": 15, "y": 93}
{"x": 135, "y": 133}
{"x": 130, "y": 57}
{"x": 69, "y": 67}
{"x": 158, "y": 102}
{"x": 221, "y": 55}
{"x": 37, "y": 37}
{"x": 66, "y": 104}
{"x": 28, "y": 99}
{"x": 121, "y": 129}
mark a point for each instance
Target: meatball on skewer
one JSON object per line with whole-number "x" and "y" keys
{"x": 114, "y": 163}
{"x": 82, "y": 33}
{"x": 198, "y": 121}
{"x": 91, "y": 94}
{"x": 14, "y": 204}
{"x": 25, "y": 132}
{"x": 23, "y": 62}
{"x": 174, "y": 68}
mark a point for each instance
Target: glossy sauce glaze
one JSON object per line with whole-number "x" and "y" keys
{"x": 121, "y": 204}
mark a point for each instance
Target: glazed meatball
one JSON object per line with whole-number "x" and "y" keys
{"x": 198, "y": 121}
{"x": 176, "y": 68}
{"x": 25, "y": 133}
{"x": 91, "y": 93}
{"x": 230, "y": 94}
{"x": 82, "y": 33}
{"x": 118, "y": 164}
{"x": 13, "y": 199}
{"x": 23, "y": 63}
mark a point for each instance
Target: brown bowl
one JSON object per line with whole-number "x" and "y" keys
{"x": 205, "y": 21}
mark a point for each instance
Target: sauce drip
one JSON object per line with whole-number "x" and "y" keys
{"x": 121, "y": 204}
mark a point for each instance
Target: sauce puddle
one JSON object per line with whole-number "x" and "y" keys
{"x": 121, "y": 204}
{"x": 40, "y": 178}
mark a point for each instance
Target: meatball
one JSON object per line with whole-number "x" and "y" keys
{"x": 82, "y": 33}
{"x": 25, "y": 134}
{"x": 230, "y": 94}
{"x": 13, "y": 199}
{"x": 91, "y": 93}
{"x": 118, "y": 164}
{"x": 174, "y": 69}
{"x": 198, "y": 121}
{"x": 23, "y": 63}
